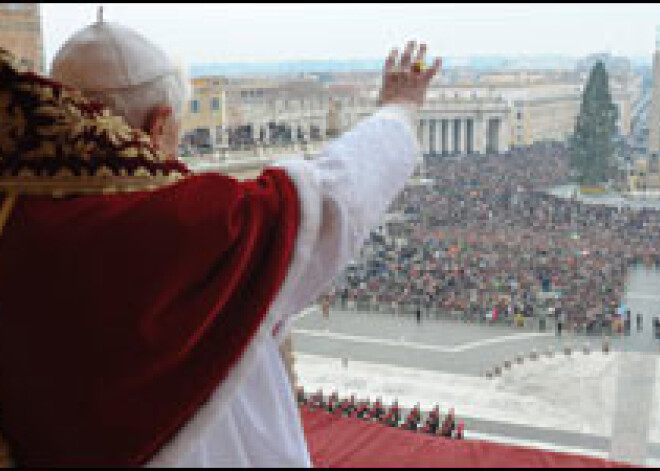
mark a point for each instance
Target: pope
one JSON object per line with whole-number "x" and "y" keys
{"x": 142, "y": 304}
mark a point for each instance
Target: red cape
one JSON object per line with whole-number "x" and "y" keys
{"x": 121, "y": 314}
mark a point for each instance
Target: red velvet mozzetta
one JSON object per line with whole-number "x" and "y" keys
{"x": 121, "y": 314}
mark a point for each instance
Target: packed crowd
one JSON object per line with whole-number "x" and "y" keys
{"x": 482, "y": 236}
{"x": 433, "y": 423}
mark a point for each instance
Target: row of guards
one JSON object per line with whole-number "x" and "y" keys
{"x": 391, "y": 416}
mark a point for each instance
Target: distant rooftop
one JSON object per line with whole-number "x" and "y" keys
{"x": 542, "y": 62}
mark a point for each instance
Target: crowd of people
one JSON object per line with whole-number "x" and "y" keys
{"x": 392, "y": 416}
{"x": 482, "y": 235}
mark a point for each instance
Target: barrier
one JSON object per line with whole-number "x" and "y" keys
{"x": 433, "y": 312}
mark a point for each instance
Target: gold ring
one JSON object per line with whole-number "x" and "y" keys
{"x": 418, "y": 67}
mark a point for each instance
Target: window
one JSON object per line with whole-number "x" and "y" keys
{"x": 194, "y": 106}
{"x": 215, "y": 104}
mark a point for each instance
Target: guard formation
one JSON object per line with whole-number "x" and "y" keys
{"x": 377, "y": 412}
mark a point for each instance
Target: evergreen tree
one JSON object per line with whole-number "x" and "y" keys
{"x": 592, "y": 143}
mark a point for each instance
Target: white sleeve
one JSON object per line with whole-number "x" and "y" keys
{"x": 343, "y": 196}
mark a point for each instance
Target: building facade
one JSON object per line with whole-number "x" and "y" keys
{"x": 543, "y": 113}
{"x": 206, "y": 115}
{"x": 654, "y": 115}
{"x": 261, "y": 112}
{"x": 20, "y": 33}
{"x": 452, "y": 123}
{"x": 488, "y": 114}
{"x": 547, "y": 111}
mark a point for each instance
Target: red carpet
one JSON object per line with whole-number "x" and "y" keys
{"x": 341, "y": 442}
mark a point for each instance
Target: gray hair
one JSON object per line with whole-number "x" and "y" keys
{"x": 135, "y": 103}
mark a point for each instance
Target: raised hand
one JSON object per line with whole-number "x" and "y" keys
{"x": 407, "y": 81}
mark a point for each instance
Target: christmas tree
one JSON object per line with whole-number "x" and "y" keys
{"x": 592, "y": 144}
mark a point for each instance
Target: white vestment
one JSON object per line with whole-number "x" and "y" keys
{"x": 252, "y": 419}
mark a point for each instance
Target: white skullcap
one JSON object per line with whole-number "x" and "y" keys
{"x": 107, "y": 56}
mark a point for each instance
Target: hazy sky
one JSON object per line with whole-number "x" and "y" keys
{"x": 200, "y": 33}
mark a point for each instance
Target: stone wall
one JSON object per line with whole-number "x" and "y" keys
{"x": 20, "y": 33}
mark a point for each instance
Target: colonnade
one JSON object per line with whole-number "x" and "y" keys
{"x": 461, "y": 135}
{"x": 440, "y": 132}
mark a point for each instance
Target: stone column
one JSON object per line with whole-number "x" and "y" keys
{"x": 469, "y": 135}
{"x": 427, "y": 136}
{"x": 497, "y": 144}
{"x": 479, "y": 134}
{"x": 461, "y": 136}
{"x": 450, "y": 135}
{"x": 488, "y": 124}
{"x": 458, "y": 136}
{"x": 505, "y": 134}
{"x": 440, "y": 136}
{"x": 433, "y": 142}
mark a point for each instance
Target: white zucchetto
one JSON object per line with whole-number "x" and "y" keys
{"x": 107, "y": 56}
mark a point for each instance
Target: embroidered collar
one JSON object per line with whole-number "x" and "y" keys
{"x": 54, "y": 141}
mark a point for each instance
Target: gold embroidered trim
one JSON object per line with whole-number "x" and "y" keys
{"x": 48, "y": 130}
{"x": 7, "y": 207}
{"x": 66, "y": 185}
{"x": 6, "y": 460}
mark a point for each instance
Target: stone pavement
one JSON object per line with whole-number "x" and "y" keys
{"x": 439, "y": 345}
{"x": 634, "y": 407}
{"x": 635, "y": 393}
{"x": 467, "y": 349}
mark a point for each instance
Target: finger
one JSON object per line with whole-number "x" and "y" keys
{"x": 431, "y": 71}
{"x": 405, "y": 59}
{"x": 391, "y": 60}
{"x": 421, "y": 54}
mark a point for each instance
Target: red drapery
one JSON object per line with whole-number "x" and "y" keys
{"x": 342, "y": 442}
